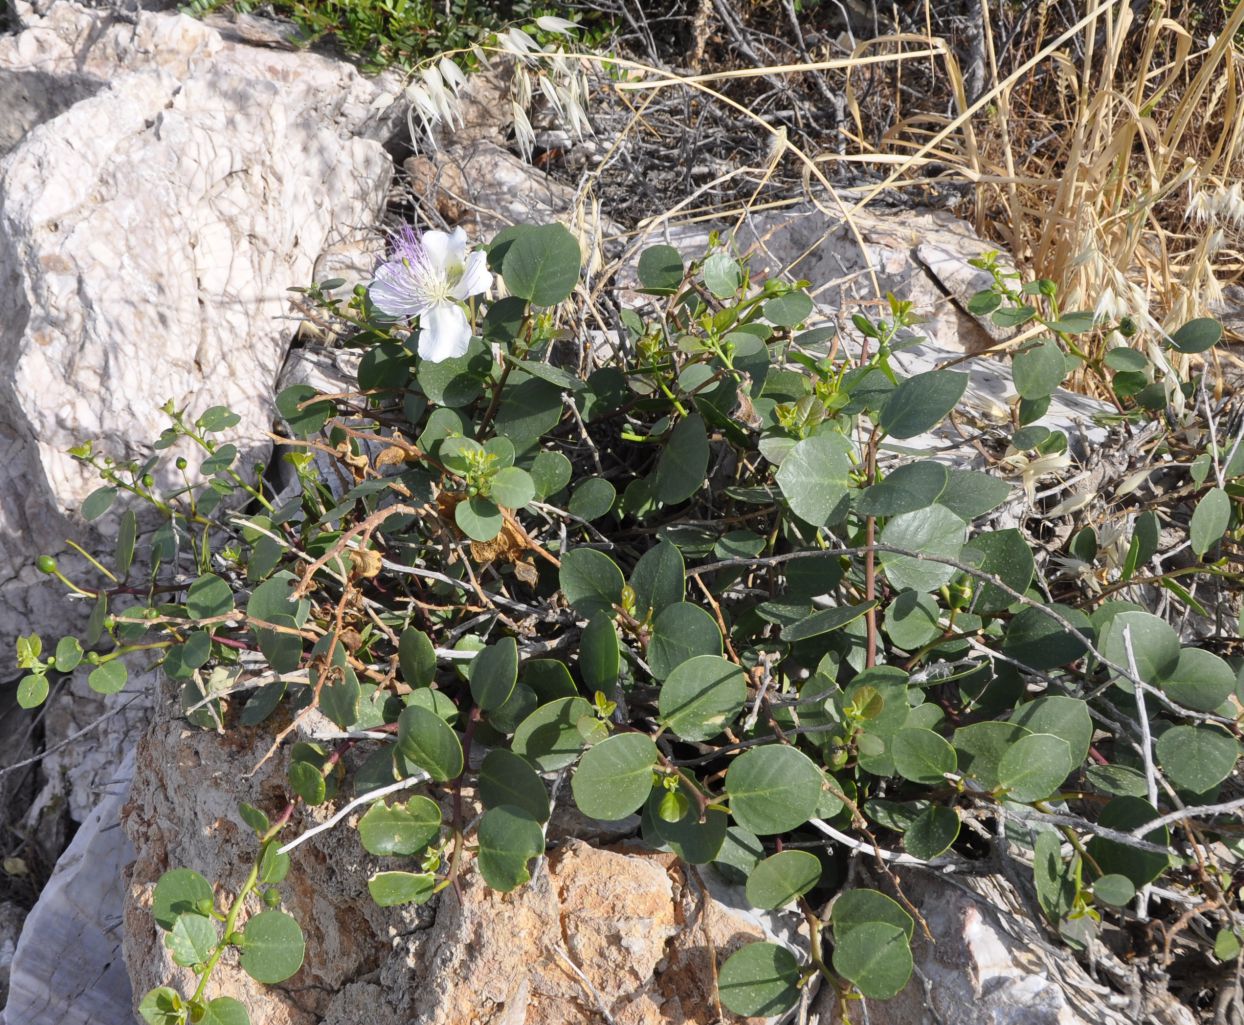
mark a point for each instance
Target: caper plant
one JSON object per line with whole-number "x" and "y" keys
{"x": 678, "y": 563}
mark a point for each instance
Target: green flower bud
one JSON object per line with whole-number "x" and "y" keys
{"x": 181, "y": 463}
{"x": 46, "y": 564}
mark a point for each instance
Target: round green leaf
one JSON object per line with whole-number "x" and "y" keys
{"x": 1197, "y": 335}
{"x": 854, "y": 908}
{"x": 789, "y": 310}
{"x": 1127, "y": 360}
{"x": 813, "y": 478}
{"x": 400, "y": 828}
{"x": 1062, "y": 716}
{"x": 1115, "y": 890}
{"x": 876, "y": 957}
{"x": 98, "y": 502}
{"x": 416, "y": 657}
{"x": 505, "y": 778}
{"x": 681, "y": 632}
{"x": 981, "y": 746}
{"x": 308, "y": 782}
{"x": 971, "y": 493}
{"x": 508, "y": 839}
{"x": 1200, "y": 680}
{"x": 782, "y": 877}
{"x": 541, "y": 265}
{"x": 178, "y": 892}
{"x": 931, "y": 531}
{"x": 1209, "y": 520}
{"x": 69, "y": 654}
{"x": 702, "y": 696}
{"x": 614, "y": 777}
{"x": 683, "y": 463}
{"x": 192, "y": 939}
{"x": 32, "y": 690}
{"x": 591, "y": 581}
{"x": 1126, "y": 814}
{"x": 108, "y": 677}
{"x": 425, "y": 739}
{"x": 549, "y": 738}
{"x": 392, "y": 889}
{"x": 741, "y": 850}
{"x": 1197, "y": 758}
{"x": 224, "y": 1011}
{"x": 759, "y": 980}
{"x": 904, "y": 489}
{"x": 1035, "y": 639}
{"x": 773, "y": 789}
{"x": 478, "y": 518}
{"x": 660, "y": 268}
{"x": 1034, "y": 767}
{"x": 513, "y": 487}
{"x": 162, "y": 1006}
{"x": 592, "y": 498}
{"x": 922, "y": 756}
{"x": 494, "y": 671}
{"x": 722, "y": 275}
{"x": 920, "y": 403}
{"x": 659, "y": 579}
{"x": 1003, "y": 554}
{"x": 272, "y": 947}
{"x": 1039, "y": 370}
{"x": 550, "y": 472}
{"x": 600, "y": 654}
{"x": 932, "y": 832}
{"x": 208, "y": 596}
{"x": 911, "y": 620}
{"x": 1154, "y": 645}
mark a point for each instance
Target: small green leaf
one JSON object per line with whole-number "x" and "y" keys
{"x": 1197, "y": 335}
{"x": 921, "y": 402}
{"x": 550, "y": 472}
{"x": 782, "y": 877}
{"x": 825, "y": 621}
{"x": 127, "y": 534}
{"x": 614, "y": 777}
{"x": 683, "y": 463}
{"x": 416, "y": 658}
{"x": 549, "y": 738}
{"x": 1227, "y": 945}
{"x": 773, "y": 789}
{"x": 1003, "y": 554}
{"x": 505, "y": 778}
{"x": 393, "y": 889}
{"x": 163, "y": 1006}
{"x": 660, "y": 268}
{"x": 932, "y": 832}
{"x": 760, "y": 980}
{"x": 1062, "y": 716}
{"x": 591, "y": 581}
{"x": 494, "y": 671}
{"x": 857, "y": 907}
{"x": 592, "y": 498}
{"x": 108, "y": 677}
{"x": 813, "y": 478}
{"x": 1200, "y": 680}
{"x": 905, "y": 489}
{"x": 922, "y": 756}
{"x": 934, "y": 530}
{"x": 681, "y": 632}
{"x": 425, "y": 739}
{"x": 702, "y": 696}
{"x": 788, "y": 310}
{"x": 98, "y": 502}
{"x": 912, "y": 620}
{"x": 1052, "y": 876}
{"x": 1038, "y": 640}
{"x": 1197, "y": 758}
{"x": 659, "y": 579}
{"x": 192, "y": 939}
{"x": 1125, "y": 814}
{"x": 1034, "y": 767}
{"x": 600, "y": 654}
{"x": 32, "y": 690}
{"x": 209, "y": 596}
{"x": 508, "y": 838}
{"x": 981, "y": 747}
{"x": 179, "y": 891}
{"x": 479, "y": 518}
{"x": 541, "y": 265}
{"x": 1153, "y": 644}
{"x": 401, "y": 828}
{"x": 513, "y": 487}
{"x": 272, "y": 947}
{"x": 1209, "y": 521}
{"x": 876, "y": 957}
{"x": 722, "y": 275}
{"x": 1039, "y": 370}
{"x": 308, "y": 783}
{"x": 224, "y": 1011}
{"x": 1115, "y": 890}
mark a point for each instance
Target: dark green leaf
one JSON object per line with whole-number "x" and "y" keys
{"x": 1034, "y": 767}
{"x": 272, "y": 947}
{"x": 494, "y": 671}
{"x": 921, "y": 402}
{"x": 505, "y": 778}
{"x": 876, "y": 957}
{"x": 549, "y": 738}
{"x": 659, "y": 579}
{"x": 509, "y": 838}
{"x": 426, "y": 739}
{"x": 683, "y": 463}
{"x": 401, "y": 828}
{"x": 782, "y": 877}
{"x": 932, "y": 832}
{"x": 393, "y": 889}
{"x": 682, "y": 631}
{"x": 1197, "y": 335}
{"x": 814, "y": 476}
{"x": 773, "y": 789}
{"x": 591, "y": 581}
{"x": 759, "y": 980}
{"x": 541, "y": 265}
{"x": 702, "y": 696}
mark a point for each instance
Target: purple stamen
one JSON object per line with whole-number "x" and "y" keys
{"x": 406, "y": 244}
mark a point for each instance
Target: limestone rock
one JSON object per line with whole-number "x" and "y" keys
{"x": 617, "y": 928}
{"x": 168, "y": 186}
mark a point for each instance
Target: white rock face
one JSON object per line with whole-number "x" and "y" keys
{"x": 149, "y": 226}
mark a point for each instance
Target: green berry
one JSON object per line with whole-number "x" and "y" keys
{"x": 148, "y": 480}
{"x": 46, "y": 564}
{"x": 181, "y": 463}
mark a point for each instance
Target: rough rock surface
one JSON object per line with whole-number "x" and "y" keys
{"x": 166, "y": 188}
{"x": 624, "y": 930}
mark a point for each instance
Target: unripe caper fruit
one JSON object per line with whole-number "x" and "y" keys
{"x": 45, "y": 564}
